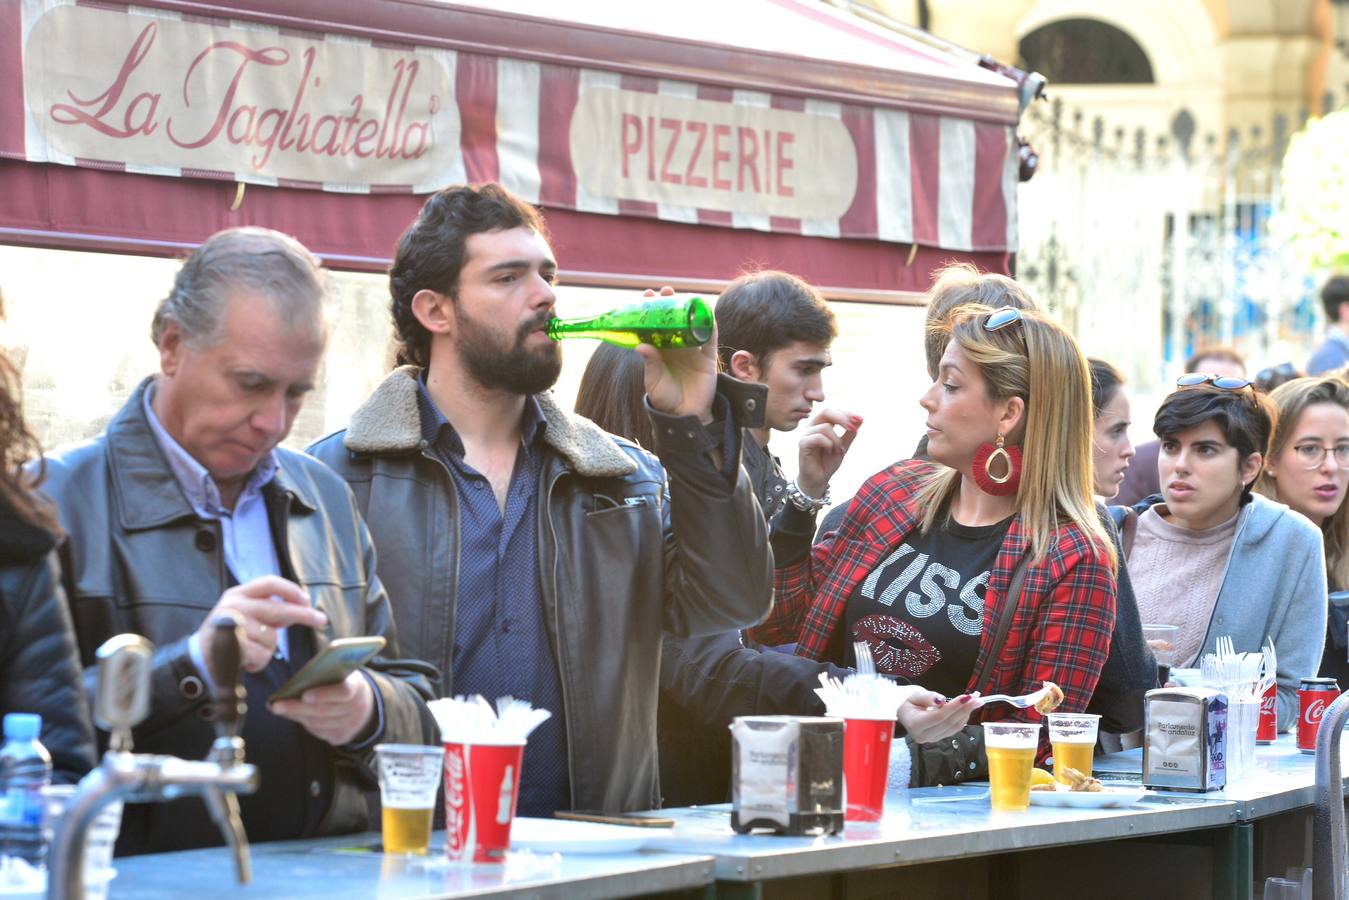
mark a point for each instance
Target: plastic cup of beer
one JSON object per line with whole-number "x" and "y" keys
{"x": 408, "y": 777}
{"x": 1011, "y": 755}
{"x": 1073, "y": 737}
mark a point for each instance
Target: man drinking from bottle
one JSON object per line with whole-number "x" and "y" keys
{"x": 527, "y": 552}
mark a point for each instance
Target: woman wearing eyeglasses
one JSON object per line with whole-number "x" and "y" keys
{"x": 1214, "y": 559}
{"x": 1308, "y": 469}
{"x": 923, "y": 565}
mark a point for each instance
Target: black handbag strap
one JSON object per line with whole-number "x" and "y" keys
{"x": 985, "y": 676}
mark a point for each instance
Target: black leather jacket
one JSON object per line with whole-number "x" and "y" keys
{"x": 138, "y": 559}
{"x": 39, "y": 669}
{"x": 622, "y": 555}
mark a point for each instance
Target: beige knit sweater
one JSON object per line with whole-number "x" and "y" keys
{"x": 1176, "y": 574}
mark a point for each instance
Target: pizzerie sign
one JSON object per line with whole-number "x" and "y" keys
{"x": 707, "y": 154}
{"x": 154, "y": 92}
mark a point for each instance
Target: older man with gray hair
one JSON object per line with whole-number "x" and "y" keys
{"x": 186, "y": 508}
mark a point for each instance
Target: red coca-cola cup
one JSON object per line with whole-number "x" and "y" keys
{"x": 482, "y": 784}
{"x": 1268, "y": 728}
{"x": 1314, "y": 696}
{"x": 866, "y": 766}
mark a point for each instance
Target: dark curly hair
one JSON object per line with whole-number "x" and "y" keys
{"x": 18, "y": 488}
{"x": 432, "y": 252}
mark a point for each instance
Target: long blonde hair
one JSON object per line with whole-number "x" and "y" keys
{"x": 1039, "y": 362}
{"x": 1293, "y": 398}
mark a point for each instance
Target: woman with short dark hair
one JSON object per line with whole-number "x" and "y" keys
{"x": 1214, "y": 559}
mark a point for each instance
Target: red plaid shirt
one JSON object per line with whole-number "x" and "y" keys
{"x": 1060, "y": 632}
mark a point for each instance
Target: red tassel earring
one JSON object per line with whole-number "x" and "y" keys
{"x": 990, "y": 455}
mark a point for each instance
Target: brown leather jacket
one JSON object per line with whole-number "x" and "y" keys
{"x": 621, "y": 559}
{"x": 138, "y": 559}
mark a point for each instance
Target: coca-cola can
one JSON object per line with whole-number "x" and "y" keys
{"x": 1268, "y": 729}
{"x": 1314, "y": 696}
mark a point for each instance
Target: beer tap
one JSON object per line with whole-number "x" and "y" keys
{"x": 122, "y": 701}
{"x": 227, "y": 697}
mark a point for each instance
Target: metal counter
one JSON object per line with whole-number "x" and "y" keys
{"x": 928, "y": 825}
{"x": 333, "y": 868}
{"x": 1284, "y": 780}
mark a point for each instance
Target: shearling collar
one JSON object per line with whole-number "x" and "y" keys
{"x": 389, "y": 422}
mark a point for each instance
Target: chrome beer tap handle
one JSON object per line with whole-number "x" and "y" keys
{"x": 123, "y": 698}
{"x": 122, "y": 701}
{"x": 227, "y": 697}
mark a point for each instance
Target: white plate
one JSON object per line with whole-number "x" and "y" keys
{"x": 1110, "y": 798}
{"x": 558, "y": 836}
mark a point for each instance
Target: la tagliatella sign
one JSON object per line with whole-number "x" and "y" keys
{"x": 160, "y": 94}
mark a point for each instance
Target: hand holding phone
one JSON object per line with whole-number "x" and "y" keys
{"x": 333, "y": 664}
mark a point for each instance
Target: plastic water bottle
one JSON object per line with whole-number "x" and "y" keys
{"x": 25, "y": 769}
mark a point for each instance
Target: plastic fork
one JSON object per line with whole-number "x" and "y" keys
{"x": 865, "y": 664}
{"x": 1025, "y": 701}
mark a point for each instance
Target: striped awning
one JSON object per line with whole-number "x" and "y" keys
{"x": 814, "y": 124}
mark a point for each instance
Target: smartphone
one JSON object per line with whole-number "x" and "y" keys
{"x": 334, "y": 663}
{"x": 636, "y": 820}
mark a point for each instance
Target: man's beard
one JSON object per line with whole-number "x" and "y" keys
{"x": 514, "y": 369}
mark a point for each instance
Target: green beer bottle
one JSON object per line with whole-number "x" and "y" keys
{"x": 662, "y": 322}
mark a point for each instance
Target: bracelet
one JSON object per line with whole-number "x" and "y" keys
{"x": 801, "y": 501}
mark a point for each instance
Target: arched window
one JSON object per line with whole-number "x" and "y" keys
{"x": 1085, "y": 51}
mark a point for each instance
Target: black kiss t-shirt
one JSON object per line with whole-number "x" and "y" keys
{"x": 921, "y": 609}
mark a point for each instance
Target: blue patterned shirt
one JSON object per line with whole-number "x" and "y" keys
{"x": 501, "y": 642}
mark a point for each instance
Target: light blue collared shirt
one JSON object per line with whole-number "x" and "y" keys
{"x": 247, "y": 534}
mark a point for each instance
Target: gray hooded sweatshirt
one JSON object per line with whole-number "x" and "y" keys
{"x": 1274, "y": 584}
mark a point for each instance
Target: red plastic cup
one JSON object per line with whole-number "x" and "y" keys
{"x": 866, "y": 766}
{"x": 1268, "y": 729}
{"x": 482, "y": 785}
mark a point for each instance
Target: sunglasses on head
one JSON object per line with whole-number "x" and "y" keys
{"x": 1001, "y": 318}
{"x": 1222, "y": 382}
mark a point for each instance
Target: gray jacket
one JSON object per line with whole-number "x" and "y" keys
{"x": 1274, "y": 584}
{"x": 622, "y": 556}
{"x": 137, "y": 559}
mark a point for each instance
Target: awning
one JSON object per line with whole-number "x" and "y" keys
{"x": 661, "y": 141}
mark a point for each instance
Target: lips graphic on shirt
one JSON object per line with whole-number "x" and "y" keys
{"x": 897, "y": 647}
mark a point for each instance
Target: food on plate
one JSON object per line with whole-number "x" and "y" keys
{"x": 1040, "y": 780}
{"x": 1081, "y": 783}
{"x": 1051, "y": 700}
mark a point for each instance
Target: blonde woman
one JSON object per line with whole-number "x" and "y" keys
{"x": 1308, "y": 469}
{"x": 922, "y": 562}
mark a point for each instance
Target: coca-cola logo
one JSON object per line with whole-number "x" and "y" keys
{"x": 1313, "y": 711}
{"x": 1267, "y": 704}
{"x": 455, "y": 833}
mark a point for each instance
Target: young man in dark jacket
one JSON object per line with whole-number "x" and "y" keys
{"x": 185, "y": 509}
{"x": 526, "y": 551}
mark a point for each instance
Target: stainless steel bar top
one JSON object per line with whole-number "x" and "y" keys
{"x": 333, "y": 868}
{"x": 1284, "y": 779}
{"x": 925, "y": 825}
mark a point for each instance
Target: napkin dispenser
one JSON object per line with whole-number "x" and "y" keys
{"x": 787, "y": 774}
{"x": 1185, "y": 739}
